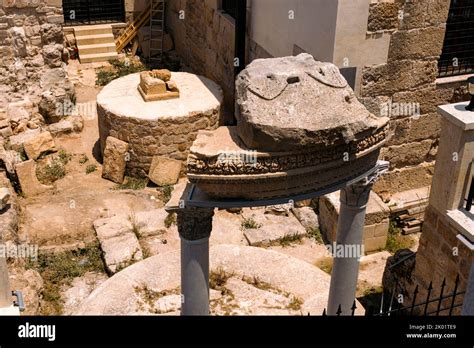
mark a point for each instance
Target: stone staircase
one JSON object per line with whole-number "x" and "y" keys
{"x": 95, "y": 43}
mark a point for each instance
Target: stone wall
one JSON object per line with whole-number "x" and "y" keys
{"x": 31, "y": 48}
{"x": 204, "y": 38}
{"x": 409, "y": 79}
{"x": 440, "y": 254}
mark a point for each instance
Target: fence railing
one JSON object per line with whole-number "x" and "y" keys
{"x": 445, "y": 303}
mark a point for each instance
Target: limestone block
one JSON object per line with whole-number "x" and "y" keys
{"x": 17, "y": 141}
{"x": 4, "y": 197}
{"x": 39, "y": 145}
{"x": 307, "y": 217}
{"x": 417, "y": 43}
{"x": 164, "y": 171}
{"x": 383, "y": 16}
{"x": 30, "y": 186}
{"x": 118, "y": 242}
{"x": 401, "y": 156}
{"x": 269, "y": 228}
{"x": 387, "y": 79}
{"x": 16, "y": 114}
{"x": 424, "y": 13}
{"x": 115, "y": 160}
{"x": 409, "y": 129}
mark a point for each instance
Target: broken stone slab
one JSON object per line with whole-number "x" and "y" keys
{"x": 17, "y": 141}
{"x": 30, "y": 185}
{"x": 164, "y": 171}
{"x": 38, "y": 145}
{"x": 262, "y": 229}
{"x": 4, "y": 197}
{"x": 115, "y": 160}
{"x": 151, "y": 223}
{"x": 221, "y": 166}
{"x": 118, "y": 242}
{"x": 293, "y": 103}
{"x": 73, "y": 124}
{"x": 307, "y": 217}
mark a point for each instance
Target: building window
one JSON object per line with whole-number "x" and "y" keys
{"x": 457, "y": 57}
{"x": 230, "y": 7}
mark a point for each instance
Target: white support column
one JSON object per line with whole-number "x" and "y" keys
{"x": 350, "y": 230}
{"x": 194, "y": 226}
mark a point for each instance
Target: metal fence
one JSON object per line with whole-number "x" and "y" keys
{"x": 457, "y": 57}
{"x": 86, "y": 12}
{"x": 445, "y": 303}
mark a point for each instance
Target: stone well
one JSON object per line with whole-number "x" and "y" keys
{"x": 157, "y": 128}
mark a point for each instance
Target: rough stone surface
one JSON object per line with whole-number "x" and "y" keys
{"x": 383, "y": 16}
{"x": 121, "y": 294}
{"x": 296, "y": 102}
{"x": 31, "y": 45}
{"x": 30, "y": 284}
{"x": 307, "y": 217}
{"x": 79, "y": 289}
{"x": 161, "y": 128}
{"x": 268, "y": 228}
{"x": 39, "y": 145}
{"x": 164, "y": 171}
{"x": 16, "y": 142}
{"x": 115, "y": 160}
{"x": 30, "y": 186}
{"x": 118, "y": 242}
{"x": 4, "y": 197}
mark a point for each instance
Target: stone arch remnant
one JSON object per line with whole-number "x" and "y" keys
{"x": 301, "y": 133}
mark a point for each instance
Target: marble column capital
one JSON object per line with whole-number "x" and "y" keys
{"x": 357, "y": 194}
{"x": 194, "y": 223}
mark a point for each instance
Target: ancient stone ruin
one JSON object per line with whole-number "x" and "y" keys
{"x": 300, "y": 129}
{"x": 157, "y": 85}
{"x": 157, "y": 125}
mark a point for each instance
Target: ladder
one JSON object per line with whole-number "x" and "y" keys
{"x": 157, "y": 30}
{"x": 132, "y": 30}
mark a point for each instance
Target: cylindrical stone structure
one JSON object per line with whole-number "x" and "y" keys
{"x": 349, "y": 245}
{"x": 157, "y": 128}
{"x": 5, "y": 291}
{"x": 195, "y": 226}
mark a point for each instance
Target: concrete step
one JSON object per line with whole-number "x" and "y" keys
{"x": 94, "y": 39}
{"x": 96, "y": 57}
{"x": 93, "y": 30}
{"x": 97, "y": 48}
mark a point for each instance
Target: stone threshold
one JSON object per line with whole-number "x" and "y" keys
{"x": 463, "y": 221}
{"x": 453, "y": 79}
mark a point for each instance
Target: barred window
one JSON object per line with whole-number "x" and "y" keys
{"x": 457, "y": 57}
{"x": 230, "y": 7}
